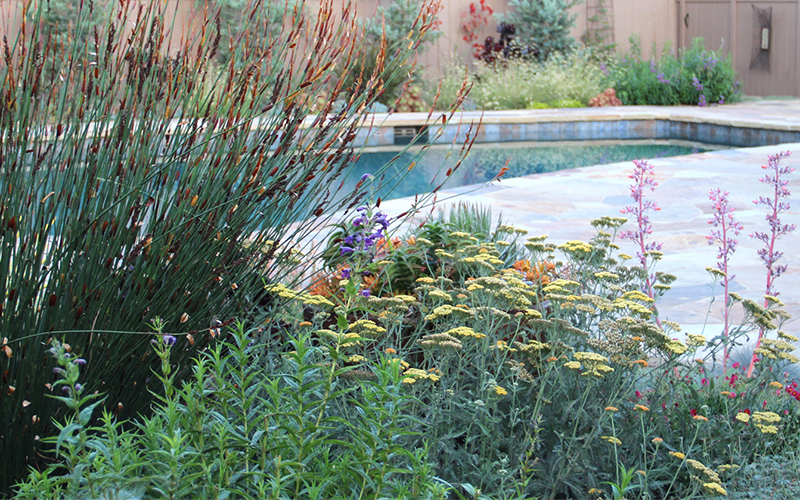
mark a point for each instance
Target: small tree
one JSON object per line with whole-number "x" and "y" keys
{"x": 543, "y": 24}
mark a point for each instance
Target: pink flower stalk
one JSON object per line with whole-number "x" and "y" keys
{"x": 728, "y": 227}
{"x": 769, "y": 255}
{"x": 643, "y": 178}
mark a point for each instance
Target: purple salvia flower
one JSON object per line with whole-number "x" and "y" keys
{"x": 345, "y": 274}
{"x": 662, "y": 79}
{"x": 702, "y": 101}
{"x": 366, "y": 293}
{"x": 696, "y": 84}
{"x": 722, "y": 99}
{"x": 169, "y": 339}
{"x": 80, "y": 361}
{"x": 365, "y": 177}
{"x": 604, "y": 68}
{"x": 653, "y": 66}
{"x": 643, "y": 179}
{"x": 347, "y": 250}
{"x": 726, "y": 230}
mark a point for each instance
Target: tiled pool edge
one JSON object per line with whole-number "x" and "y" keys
{"x": 629, "y": 123}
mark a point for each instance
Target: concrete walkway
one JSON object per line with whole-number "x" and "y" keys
{"x": 561, "y": 205}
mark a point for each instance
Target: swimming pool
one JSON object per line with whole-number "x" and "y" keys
{"x": 485, "y": 161}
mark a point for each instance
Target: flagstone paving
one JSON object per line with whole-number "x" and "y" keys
{"x": 562, "y": 204}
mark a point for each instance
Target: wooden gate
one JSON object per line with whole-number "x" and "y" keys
{"x": 761, "y": 35}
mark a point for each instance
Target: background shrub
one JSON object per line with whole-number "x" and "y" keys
{"x": 542, "y": 24}
{"x": 694, "y": 76}
{"x": 519, "y": 84}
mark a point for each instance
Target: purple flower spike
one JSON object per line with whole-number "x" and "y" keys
{"x": 345, "y": 274}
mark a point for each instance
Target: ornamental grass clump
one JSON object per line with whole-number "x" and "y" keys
{"x": 139, "y": 181}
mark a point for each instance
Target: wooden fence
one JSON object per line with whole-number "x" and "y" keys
{"x": 773, "y": 70}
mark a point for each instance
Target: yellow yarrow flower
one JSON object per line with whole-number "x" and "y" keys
{"x": 716, "y": 488}
{"x": 743, "y": 417}
{"x": 767, "y": 429}
{"x": 500, "y": 391}
{"x": 678, "y": 455}
{"x": 611, "y": 439}
{"x": 641, "y": 408}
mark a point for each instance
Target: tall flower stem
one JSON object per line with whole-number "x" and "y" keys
{"x": 723, "y": 219}
{"x": 643, "y": 178}
{"x": 769, "y": 255}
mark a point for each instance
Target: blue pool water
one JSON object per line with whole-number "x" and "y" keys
{"x": 482, "y": 164}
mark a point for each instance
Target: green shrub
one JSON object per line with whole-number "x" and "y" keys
{"x": 538, "y": 105}
{"x": 566, "y": 103}
{"x": 694, "y": 76}
{"x": 248, "y": 423}
{"x": 543, "y": 24}
{"x": 386, "y": 36}
{"x": 144, "y": 185}
{"x": 236, "y": 25}
{"x": 518, "y": 84}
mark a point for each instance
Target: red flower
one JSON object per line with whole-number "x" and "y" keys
{"x": 693, "y": 412}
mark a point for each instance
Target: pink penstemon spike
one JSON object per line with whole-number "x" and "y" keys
{"x": 643, "y": 178}
{"x": 769, "y": 255}
{"x": 728, "y": 229}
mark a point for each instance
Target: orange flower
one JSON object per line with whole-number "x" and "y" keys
{"x": 523, "y": 265}
{"x": 389, "y": 350}
{"x": 322, "y": 285}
